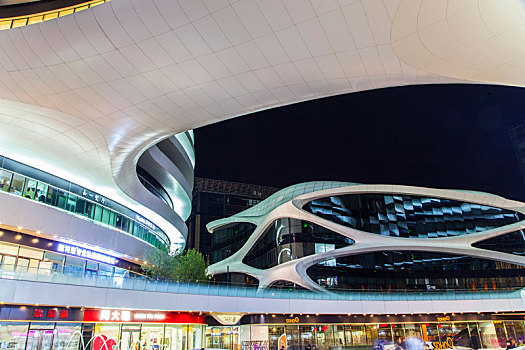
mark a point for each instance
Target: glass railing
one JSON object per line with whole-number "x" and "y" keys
{"x": 82, "y": 207}
{"x": 141, "y": 283}
{"x": 20, "y": 21}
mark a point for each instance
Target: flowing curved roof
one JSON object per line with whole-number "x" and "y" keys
{"x": 82, "y": 96}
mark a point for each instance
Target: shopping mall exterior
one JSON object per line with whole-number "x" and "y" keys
{"x": 70, "y": 328}
{"x": 98, "y": 101}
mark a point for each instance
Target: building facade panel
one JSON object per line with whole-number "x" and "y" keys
{"x": 397, "y": 237}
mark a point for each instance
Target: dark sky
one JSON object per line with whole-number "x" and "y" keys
{"x": 443, "y": 136}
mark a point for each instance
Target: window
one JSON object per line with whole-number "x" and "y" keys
{"x": 30, "y": 189}
{"x": 98, "y": 213}
{"x": 289, "y": 239}
{"x": 71, "y": 203}
{"x": 5, "y": 180}
{"x": 41, "y": 192}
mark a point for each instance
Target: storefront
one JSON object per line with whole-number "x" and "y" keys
{"x": 23, "y": 253}
{"x": 62, "y": 328}
{"x": 384, "y": 332}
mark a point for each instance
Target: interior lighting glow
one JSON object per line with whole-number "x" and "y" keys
{"x": 86, "y": 253}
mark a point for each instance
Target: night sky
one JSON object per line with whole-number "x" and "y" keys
{"x": 443, "y": 136}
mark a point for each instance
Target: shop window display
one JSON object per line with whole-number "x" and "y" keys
{"x": 391, "y": 336}
{"x": 67, "y": 336}
{"x": 13, "y": 336}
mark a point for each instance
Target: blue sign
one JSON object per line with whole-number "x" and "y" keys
{"x": 86, "y": 253}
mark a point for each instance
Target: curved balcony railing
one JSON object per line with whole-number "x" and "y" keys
{"x": 232, "y": 290}
{"x": 20, "y": 21}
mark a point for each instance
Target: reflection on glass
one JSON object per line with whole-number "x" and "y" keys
{"x": 410, "y": 216}
{"x": 13, "y": 336}
{"x": 288, "y": 239}
{"x": 44, "y": 193}
{"x": 228, "y": 239}
{"x": 415, "y": 270}
{"x": 512, "y": 243}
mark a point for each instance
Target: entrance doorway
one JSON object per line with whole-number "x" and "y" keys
{"x": 130, "y": 337}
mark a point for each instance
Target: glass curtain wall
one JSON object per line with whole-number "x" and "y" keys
{"x": 288, "y": 239}
{"x": 390, "y": 336}
{"x": 399, "y": 270}
{"x": 410, "y": 216}
{"x": 44, "y": 193}
{"x": 148, "y": 336}
{"x": 30, "y": 260}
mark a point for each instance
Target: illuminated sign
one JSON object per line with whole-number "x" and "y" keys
{"x": 443, "y": 319}
{"x": 292, "y": 320}
{"x": 93, "y": 196}
{"x": 86, "y": 253}
{"x": 149, "y": 316}
{"x": 46, "y": 313}
{"x": 227, "y": 319}
{"x": 448, "y": 344}
{"x": 50, "y": 314}
{"x": 142, "y": 316}
{"x": 127, "y": 316}
{"x": 145, "y": 222}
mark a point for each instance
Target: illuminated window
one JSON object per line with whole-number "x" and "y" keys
{"x": 19, "y": 22}
{"x": 35, "y": 19}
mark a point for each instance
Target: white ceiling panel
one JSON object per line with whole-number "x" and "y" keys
{"x": 126, "y": 73}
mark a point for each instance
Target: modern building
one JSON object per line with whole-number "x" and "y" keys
{"x": 216, "y": 199}
{"x": 335, "y": 235}
{"x": 97, "y": 103}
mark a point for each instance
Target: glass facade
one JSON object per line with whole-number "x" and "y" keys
{"x": 288, "y": 239}
{"x": 389, "y": 270}
{"x": 100, "y": 336}
{"x": 410, "y": 216}
{"x": 512, "y": 243}
{"x": 223, "y": 337}
{"x": 20, "y": 259}
{"x": 228, "y": 239}
{"x": 52, "y": 193}
{"x": 389, "y": 336}
{"x": 148, "y": 336}
{"x": 40, "y": 336}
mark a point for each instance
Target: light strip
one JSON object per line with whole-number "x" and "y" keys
{"x": 20, "y": 21}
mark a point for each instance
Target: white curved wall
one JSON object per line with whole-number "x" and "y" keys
{"x": 34, "y": 216}
{"x": 288, "y": 203}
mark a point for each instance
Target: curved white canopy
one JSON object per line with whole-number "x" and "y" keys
{"x": 84, "y": 95}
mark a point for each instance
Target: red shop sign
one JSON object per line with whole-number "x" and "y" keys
{"x": 141, "y": 316}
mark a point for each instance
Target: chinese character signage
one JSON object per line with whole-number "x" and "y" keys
{"x": 86, "y": 253}
{"x": 50, "y": 314}
{"x": 93, "y": 197}
{"x": 41, "y": 313}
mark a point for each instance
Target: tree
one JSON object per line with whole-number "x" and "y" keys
{"x": 189, "y": 266}
{"x": 159, "y": 263}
